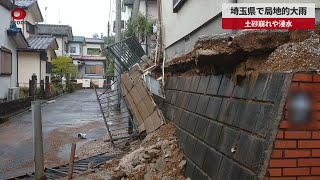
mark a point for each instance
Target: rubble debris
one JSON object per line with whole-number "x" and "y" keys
{"x": 157, "y": 157}
{"x": 250, "y": 52}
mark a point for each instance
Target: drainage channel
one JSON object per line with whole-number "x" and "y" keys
{"x": 79, "y": 167}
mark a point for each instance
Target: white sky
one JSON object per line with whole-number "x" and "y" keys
{"x": 85, "y": 16}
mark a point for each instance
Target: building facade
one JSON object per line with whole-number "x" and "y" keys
{"x": 11, "y": 38}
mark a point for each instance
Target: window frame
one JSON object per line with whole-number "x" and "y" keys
{"x": 75, "y": 49}
{"x": 3, "y": 49}
{"x": 30, "y": 25}
{"x": 95, "y": 69}
{"x": 98, "y": 54}
{"x": 177, "y": 5}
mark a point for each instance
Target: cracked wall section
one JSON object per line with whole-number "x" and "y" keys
{"x": 226, "y": 130}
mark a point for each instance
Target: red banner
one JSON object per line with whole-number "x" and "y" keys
{"x": 269, "y": 23}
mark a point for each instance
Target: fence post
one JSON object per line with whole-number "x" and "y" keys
{"x": 33, "y": 86}
{"x": 47, "y": 91}
{"x": 42, "y": 89}
{"x": 37, "y": 140}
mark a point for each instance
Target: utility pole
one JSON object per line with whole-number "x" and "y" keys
{"x": 118, "y": 39}
{"x": 108, "y": 40}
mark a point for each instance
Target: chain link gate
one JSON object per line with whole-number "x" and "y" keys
{"x": 114, "y": 110}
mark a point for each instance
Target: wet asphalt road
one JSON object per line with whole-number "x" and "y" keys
{"x": 62, "y": 121}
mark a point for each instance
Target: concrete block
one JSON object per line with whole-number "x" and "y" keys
{"x": 242, "y": 88}
{"x": 137, "y": 116}
{"x": 243, "y": 147}
{"x": 136, "y": 76}
{"x": 213, "y": 107}
{"x": 187, "y": 83}
{"x": 247, "y": 115}
{"x": 189, "y": 168}
{"x": 228, "y": 110}
{"x": 257, "y": 154}
{"x": 150, "y": 105}
{"x": 229, "y": 170}
{"x": 213, "y": 133}
{"x": 141, "y": 128}
{"x": 192, "y": 122}
{"x": 265, "y": 122}
{"x": 143, "y": 110}
{"x": 201, "y": 127}
{"x": 256, "y": 91}
{"x": 194, "y": 84}
{"x": 184, "y": 120}
{"x": 169, "y": 95}
{"x": 127, "y": 81}
{"x": 203, "y": 84}
{"x": 148, "y": 124}
{"x": 185, "y": 101}
{"x": 214, "y": 84}
{"x": 168, "y": 83}
{"x": 135, "y": 95}
{"x": 202, "y": 105}
{"x": 274, "y": 86}
{"x": 142, "y": 89}
{"x": 212, "y": 162}
{"x": 190, "y": 145}
{"x": 177, "y": 116}
{"x": 130, "y": 102}
{"x": 198, "y": 174}
{"x": 183, "y": 137}
{"x": 226, "y": 86}
{"x": 228, "y": 139}
{"x": 157, "y": 119}
{"x": 179, "y": 98}
{"x": 193, "y": 102}
{"x": 124, "y": 90}
{"x": 174, "y": 97}
{"x": 180, "y": 83}
{"x": 199, "y": 153}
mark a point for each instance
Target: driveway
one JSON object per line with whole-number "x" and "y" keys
{"x": 62, "y": 121}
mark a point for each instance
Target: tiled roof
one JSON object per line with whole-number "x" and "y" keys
{"x": 52, "y": 29}
{"x": 89, "y": 58}
{"x": 95, "y": 40}
{"x": 78, "y": 39}
{"x": 25, "y": 3}
{"x": 41, "y": 42}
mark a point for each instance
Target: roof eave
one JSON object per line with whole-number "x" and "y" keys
{"x": 18, "y": 37}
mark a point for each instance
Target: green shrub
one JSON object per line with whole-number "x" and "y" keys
{"x": 70, "y": 87}
{"x": 24, "y": 92}
{"x": 56, "y": 89}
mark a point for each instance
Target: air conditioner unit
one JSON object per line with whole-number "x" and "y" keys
{"x": 13, "y": 93}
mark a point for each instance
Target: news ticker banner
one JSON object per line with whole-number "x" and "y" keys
{"x": 268, "y": 16}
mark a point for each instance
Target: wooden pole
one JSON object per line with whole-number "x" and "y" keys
{"x": 73, "y": 152}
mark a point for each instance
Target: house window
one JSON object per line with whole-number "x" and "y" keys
{"x": 94, "y": 69}
{"x": 5, "y": 62}
{"x": 93, "y": 51}
{"x": 177, "y": 4}
{"x": 66, "y": 47}
{"x": 30, "y": 28}
{"x": 73, "y": 50}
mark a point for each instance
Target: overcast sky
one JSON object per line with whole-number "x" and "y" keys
{"x": 85, "y": 16}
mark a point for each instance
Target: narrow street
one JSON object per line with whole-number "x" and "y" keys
{"x": 62, "y": 120}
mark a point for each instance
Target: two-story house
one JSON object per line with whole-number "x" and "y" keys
{"x": 62, "y": 33}
{"x": 87, "y": 56}
{"x": 36, "y": 58}
{"x": 11, "y": 38}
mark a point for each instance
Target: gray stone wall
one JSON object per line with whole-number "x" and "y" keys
{"x": 226, "y": 130}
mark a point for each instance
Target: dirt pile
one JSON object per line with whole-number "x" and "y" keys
{"x": 157, "y": 157}
{"x": 250, "y": 52}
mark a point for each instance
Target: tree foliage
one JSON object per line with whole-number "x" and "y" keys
{"x": 63, "y": 65}
{"x": 139, "y": 26}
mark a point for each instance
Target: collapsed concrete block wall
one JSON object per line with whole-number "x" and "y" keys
{"x": 226, "y": 130}
{"x": 147, "y": 117}
{"x": 296, "y": 153}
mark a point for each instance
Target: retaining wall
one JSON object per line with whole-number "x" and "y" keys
{"x": 226, "y": 130}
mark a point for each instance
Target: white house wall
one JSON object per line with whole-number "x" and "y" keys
{"x": 77, "y": 46}
{"x": 88, "y": 45}
{"x": 29, "y": 64}
{"x": 29, "y": 18}
{"x": 62, "y": 46}
{"x": 7, "y": 81}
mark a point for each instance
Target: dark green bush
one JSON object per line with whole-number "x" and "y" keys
{"x": 24, "y": 92}
{"x": 70, "y": 87}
